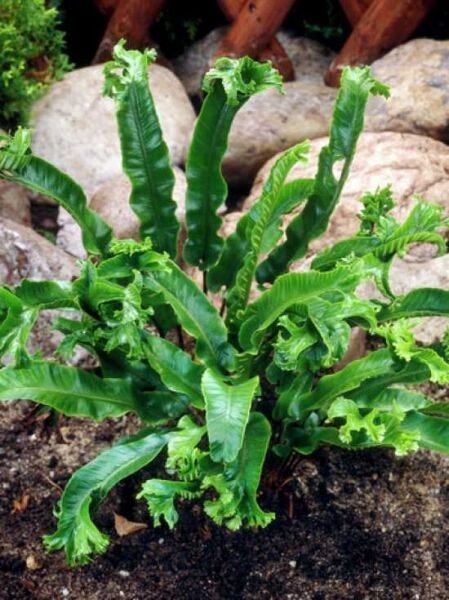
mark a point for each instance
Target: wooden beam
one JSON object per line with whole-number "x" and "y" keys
{"x": 385, "y": 24}
{"x": 131, "y": 20}
{"x": 354, "y": 9}
{"x": 253, "y": 28}
{"x": 273, "y": 51}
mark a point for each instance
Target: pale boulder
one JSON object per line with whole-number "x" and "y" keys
{"x": 26, "y": 254}
{"x": 75, "y": 127}
{"x": 269, "y": 123}
{"x": 411, "y": 164}
{"x": 14, "y": 203}
{"x": 310, "y": 59}
{"x": 409, "y": 274}
{"x": 418, "y": 75}
{"x": 111, "y": 202}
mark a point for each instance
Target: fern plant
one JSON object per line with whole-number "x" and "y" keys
{"x": 216, "y": 391}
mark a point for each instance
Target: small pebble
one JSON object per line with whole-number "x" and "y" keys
{"x": 160, "y": 540}
{"x": 292, "y": 563}
{"x": 31, "y": 562}
{"x": 65, "y": 592}
{"x": 121, "y": 594}
{"x": 124, "y": 574}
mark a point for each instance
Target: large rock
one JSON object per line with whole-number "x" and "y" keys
{"x": 26, "y": 254}
{"x": 418, "y": 73}
{"x": 411, "y": 164}
{"x": 75, "y": 128}
{"x": 14, "y": 203}
{"x": 269, "y": 123}
{"x": 111, "y": 201}
{"x": 406, "y": 275}
{"x": 310, "y": 59}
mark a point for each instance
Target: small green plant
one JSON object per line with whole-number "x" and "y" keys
{"x": 31, "y": 56}
{"x": 217, "y": 391}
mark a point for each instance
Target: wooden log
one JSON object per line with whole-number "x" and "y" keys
{"x": 273, "y": 51}
{"x": 131, "y": 20}
{"x": 385, "y": 24}
{"x": 253, "y": 28}
{"x": 354, "y": 9}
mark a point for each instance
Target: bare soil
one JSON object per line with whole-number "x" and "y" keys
{"x": 349, "y": 526}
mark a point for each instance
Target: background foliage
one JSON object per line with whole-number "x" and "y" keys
{"x": 31, "y": 55}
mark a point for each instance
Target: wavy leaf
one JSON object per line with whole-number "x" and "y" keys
{"x": 228, "y": 85}
{"x": 306, "y": 441}
{"x": 349, "y": 378}
{"x": 347, "y": 123}
{"x": 196, "y": 314}
{"x": 145, "y": 155}
{"x": 264, "y": 215}
{"x": 237, "y": 486}
{"x": 237, "y": 244}
{"x": 227, "y": 414}
{"x": 157, "y": 407}
{"x": 288, "y": 290}
{"x": 434, "y": 431}
{"x": 183, "y": 454}
{"x": 19, "y": 165}
{"x": 435, "y": 408}
{"x": 387, "y": 237}
{"x": 46, "y": 294}
{"x": 76, "y": 531}
{"x": 160, "y": 495}
{"x": 400, "y": 338}
{"x": 175, "y": 368}
{"x": 408, "y": 373}
{"x": 422, "y": 302}
{"x": 69, "y": 390}
{"x": 16, "y": 323}
{"x": 388, "y": 398}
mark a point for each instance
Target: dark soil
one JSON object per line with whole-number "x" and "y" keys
{"x": 349, "y": 526}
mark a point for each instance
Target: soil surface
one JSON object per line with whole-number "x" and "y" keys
{"x": 350, "y": 526}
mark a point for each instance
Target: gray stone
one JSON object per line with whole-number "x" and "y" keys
{"x": 310, "y": 59}
{"x": 418, "y": 73}
{"x": 75, "y": 127}
{"x": 409, "y": 274}
{"x": 111, "y": 201}
{"x": 269, "y": 123}
{"x": 411, "y": 164}
{"x": 26, "y": 254}
{"x": 14, "y": 203}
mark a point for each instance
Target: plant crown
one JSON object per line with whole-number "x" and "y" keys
{"x": 216, "y": 391}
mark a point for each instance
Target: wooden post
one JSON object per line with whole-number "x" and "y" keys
{"x": 273, "y": 51}
{"x": 254, "y": 26}
{"x": 354, "y": 9}
{"x": 131, "y": 20}
{"x": 385, "y": 24}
